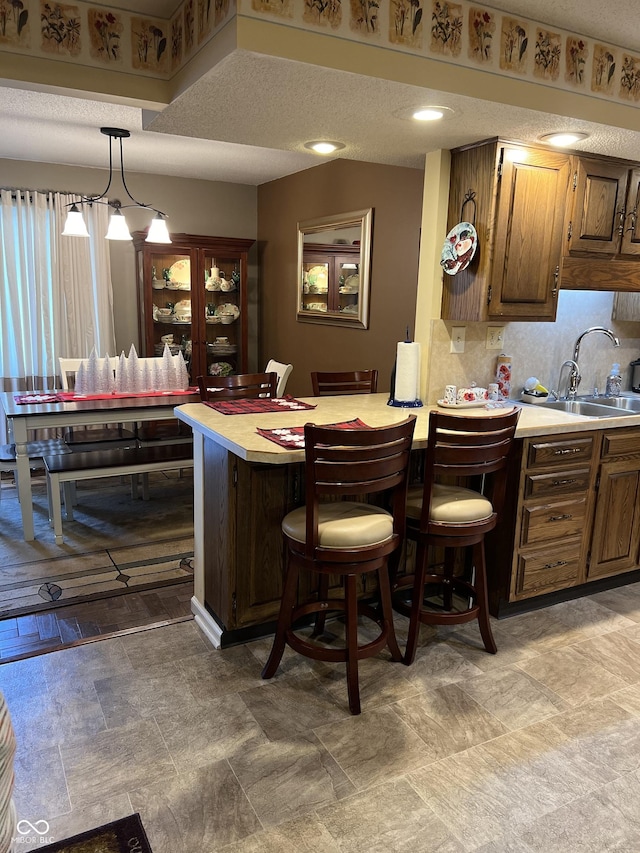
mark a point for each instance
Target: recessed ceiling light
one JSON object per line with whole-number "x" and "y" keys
{"x": 563, "y": 138}
{"x": 429, "y": 113}
{"x": 324, "y": 146}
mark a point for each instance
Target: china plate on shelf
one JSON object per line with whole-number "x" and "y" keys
{"x": 220, "y": 368}
{"x": 228, "y": 308}
{"x": 180, "y": 272}
{"x": 467, "y": 404}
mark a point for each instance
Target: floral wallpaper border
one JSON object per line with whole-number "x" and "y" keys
{"x": 465, "y": 33}
{"x": 92, "y": 35}
{"x": 470, "y": 34}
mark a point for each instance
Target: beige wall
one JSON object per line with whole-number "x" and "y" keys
{"x": 192, "y": 207}
{"x": 332, "y": 188}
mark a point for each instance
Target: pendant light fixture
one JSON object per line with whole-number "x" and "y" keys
{"x": 118, "y": 229}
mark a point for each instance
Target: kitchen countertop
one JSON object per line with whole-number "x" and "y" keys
{"x": 237, "y": 433}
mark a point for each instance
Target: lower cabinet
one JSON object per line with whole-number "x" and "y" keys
{"x": 616, "y": 529}
{"x": 576, "y": 519}
{"x": 551, "y": 544}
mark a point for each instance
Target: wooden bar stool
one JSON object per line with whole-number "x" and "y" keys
{"x": 344, "y": 382}
{"x": 453, "y": 516}
{"x": 345, "y": 539}
{"x": 239, "y": 385}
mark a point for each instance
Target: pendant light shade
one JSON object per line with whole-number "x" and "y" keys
{"x": 158, "y": 232}
{"x": 118, "y": 228}
{"x": 74, "y": 225}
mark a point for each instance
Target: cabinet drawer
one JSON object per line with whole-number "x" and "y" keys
{"x": 559, "y": 452}
{"x": 553, "y": 521}
{"x": 556, "y": 483}
{"x": 548, "y": 570}
{"x": 621, "y": 443}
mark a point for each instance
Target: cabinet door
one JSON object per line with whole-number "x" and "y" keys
{"x": 598, "y": 209}
{"x": 631, "y": 237}
{"x": 528, "y": 234}
{"x": 616, "y": 533}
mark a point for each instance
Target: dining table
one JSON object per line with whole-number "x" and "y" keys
{"x": 23, "y": 417}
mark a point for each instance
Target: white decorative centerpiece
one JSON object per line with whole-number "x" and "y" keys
{"x": 132, "y": 375}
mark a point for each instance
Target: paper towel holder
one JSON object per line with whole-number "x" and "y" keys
{"x": 392, "y": 401}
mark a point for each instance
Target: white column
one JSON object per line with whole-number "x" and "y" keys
{"x": 435, "y": 201}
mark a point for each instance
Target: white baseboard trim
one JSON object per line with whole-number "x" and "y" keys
{"x": 207, "y": 624}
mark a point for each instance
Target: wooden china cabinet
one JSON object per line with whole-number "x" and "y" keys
{"x": 192, "y": 293}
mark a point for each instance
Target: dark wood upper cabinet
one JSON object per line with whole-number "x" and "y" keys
{"x": 520, "y": 195}
{"x": 604, "y": 208}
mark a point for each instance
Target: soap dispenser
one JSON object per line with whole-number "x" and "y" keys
{"x": 614, "y": 381}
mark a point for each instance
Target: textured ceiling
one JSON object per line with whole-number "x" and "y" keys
{"x": 246, "y": 120}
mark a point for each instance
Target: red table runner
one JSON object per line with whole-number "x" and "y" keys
{"x": 294, "y": 436}
{"x": 251, "y": 405}
{"x": 72, "y": 397}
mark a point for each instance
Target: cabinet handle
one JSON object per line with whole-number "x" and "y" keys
{"x": 556, "y": 274}
{"x": 633, "y": 216}
{"x": 563, "y": 482}
{"x": 566, "y": 450}
{"x": 621, "y": 216}
{"x": 555, "y": 565}
{"x": 563, "y": 517}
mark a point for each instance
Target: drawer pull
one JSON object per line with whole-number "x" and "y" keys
{"x": 567, "y": 450}
{"x": 564, "y": 482}
{"x": 564, "y": 517}
{"x": 555, "y": 565}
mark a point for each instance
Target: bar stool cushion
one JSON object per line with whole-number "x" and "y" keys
{"x": 342, "y": 524}
{"x": 450, "y": 504}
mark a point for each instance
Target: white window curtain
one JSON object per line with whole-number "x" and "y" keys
{"x": 55, "y": 292}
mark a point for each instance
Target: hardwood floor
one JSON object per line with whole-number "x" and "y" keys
{"x": 26, "y": 636}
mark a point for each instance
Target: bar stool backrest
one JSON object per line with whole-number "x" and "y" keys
{"x": 468, "y": 446}
{"x": 344, "y": 382}
{"x": 241, "y": 385}
{"x": 344, "y": 463}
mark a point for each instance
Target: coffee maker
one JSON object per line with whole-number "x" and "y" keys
{"x": 635, "y": 375}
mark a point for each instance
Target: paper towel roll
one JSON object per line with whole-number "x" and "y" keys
{"x": 407, "y": 372}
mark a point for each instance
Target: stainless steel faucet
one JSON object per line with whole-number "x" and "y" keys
{"x": 574, "y": 376}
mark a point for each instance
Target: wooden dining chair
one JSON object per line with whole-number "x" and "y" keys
{"x": 241, "y": 385}
{"x": 471, "y": 454}
{"x": 345, "y": 539}
{"x": 344, "y": 382}
{"x": 283, "y": 371}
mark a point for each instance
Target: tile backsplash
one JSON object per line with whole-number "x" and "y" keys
{"x": 538, "y": 349}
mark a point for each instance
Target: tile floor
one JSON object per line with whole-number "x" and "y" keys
{"x": 535, "y": 750}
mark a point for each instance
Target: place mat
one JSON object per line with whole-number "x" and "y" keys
{"x": 71, "y": 397}
{"x": 251, "y": 405}
{"x": 294, "y": 436}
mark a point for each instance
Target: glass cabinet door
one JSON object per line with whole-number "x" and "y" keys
{"x": 222, "y": 309}
{"x": 315, "y": 284}
{"x": 348, "y": 287}
{"x": 171, "y": 314}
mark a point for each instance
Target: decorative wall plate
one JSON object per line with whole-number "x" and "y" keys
{"x": 459, "y": 248}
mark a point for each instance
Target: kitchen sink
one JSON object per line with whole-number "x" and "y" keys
{"x": 585, "y": 407}
{"x": 627, "y": 404}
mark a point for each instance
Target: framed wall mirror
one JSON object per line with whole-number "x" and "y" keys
{"x": 334, "y": 263}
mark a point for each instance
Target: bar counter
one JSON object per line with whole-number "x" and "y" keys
{"x": 245, "y": 484}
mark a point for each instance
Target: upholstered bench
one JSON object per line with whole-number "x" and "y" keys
{"x": 65, "y": 469}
